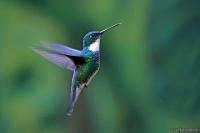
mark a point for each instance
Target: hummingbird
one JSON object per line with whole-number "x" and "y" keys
{"x": 85, "y": 63}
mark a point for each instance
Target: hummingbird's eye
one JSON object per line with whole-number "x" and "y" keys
{"x": 92, "y": 35}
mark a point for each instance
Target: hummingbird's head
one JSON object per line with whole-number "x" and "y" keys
{"x": 92, "y": 39}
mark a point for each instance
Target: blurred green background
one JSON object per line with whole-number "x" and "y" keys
{"x": 149, "y": 78}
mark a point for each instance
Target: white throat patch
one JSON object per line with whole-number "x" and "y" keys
{"x": 95, "y": 45}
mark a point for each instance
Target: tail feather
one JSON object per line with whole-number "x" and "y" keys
{"x": 71, "y": 103}
{"x": 73, "y": 98}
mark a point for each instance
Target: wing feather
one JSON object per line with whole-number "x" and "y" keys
{"x": 62, "y": 49}
{"x": 58, "y": 59}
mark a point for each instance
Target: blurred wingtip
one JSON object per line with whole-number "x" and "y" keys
{"x": 49, "y": 45}
{"x": 32, "y": 48}
{"x": 35, "y": 49}
{"x": 44, "y": 42}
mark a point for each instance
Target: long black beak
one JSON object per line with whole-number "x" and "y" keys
{"x": 109, "y": 28}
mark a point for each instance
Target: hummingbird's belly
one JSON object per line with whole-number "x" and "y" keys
{"x": 90, "y": 68}
{"x": 92, "y": 77}
{"x": 88, "y": 72}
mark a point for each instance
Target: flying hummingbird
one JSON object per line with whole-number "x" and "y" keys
{"x": 85, "y": 63}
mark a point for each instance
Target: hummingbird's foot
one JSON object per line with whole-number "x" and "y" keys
{"x": 85, "y": 86}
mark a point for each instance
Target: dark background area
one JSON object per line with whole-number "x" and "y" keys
{"x": 149, "y": 78}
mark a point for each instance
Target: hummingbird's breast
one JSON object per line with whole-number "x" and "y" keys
{"x": 90, "y": 68}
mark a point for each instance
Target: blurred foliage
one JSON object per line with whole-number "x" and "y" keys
{"x": 149, "y": 78}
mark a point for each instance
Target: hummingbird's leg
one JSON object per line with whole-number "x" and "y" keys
{"x": 85, "y": 86}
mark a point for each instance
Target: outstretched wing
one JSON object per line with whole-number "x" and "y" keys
{"x": 62, "y": 49}
{"x": 61, "y": 55}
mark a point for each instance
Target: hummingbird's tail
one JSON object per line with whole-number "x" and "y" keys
{"x": 75, "y": 91}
